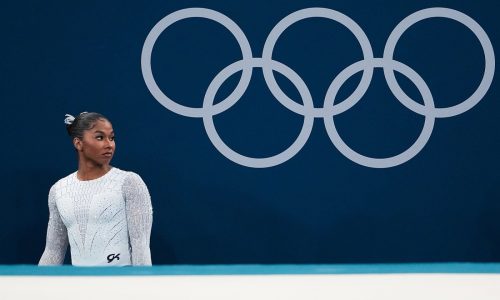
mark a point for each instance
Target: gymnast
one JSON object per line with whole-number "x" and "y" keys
{"x": 102, "y": 212}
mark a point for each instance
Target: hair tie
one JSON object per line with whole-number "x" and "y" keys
{"x": 69, "y": 119}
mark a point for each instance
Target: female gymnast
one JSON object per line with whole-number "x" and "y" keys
{"x": 104, "y": 213}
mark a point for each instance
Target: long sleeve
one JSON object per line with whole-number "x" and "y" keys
{"x": 139, "y": 218}
{"x": 57, "y": 236}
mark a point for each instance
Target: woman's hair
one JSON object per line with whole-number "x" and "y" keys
{"x": 84, "y": 121}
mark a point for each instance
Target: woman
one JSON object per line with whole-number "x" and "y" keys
{"x": 103, "y": 212}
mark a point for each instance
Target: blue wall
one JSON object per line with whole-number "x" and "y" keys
{"x": 317, "y": 207}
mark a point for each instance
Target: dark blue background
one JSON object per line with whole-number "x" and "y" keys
{"x": 62, "y": 57}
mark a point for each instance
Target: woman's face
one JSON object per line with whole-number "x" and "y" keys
{"x": 98, "y": 143}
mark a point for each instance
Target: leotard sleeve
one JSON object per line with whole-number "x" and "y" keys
{"x": 57, "y": 236}
{"x": 139, "y": 218}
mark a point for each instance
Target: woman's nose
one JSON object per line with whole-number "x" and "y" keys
{"x": 109, "y": 143}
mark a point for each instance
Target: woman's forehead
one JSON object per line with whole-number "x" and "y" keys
{"x": 102, "y": 125}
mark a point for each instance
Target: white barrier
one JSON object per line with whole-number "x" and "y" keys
{"x": 387, "y": 286}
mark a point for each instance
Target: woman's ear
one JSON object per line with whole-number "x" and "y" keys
{"x": 77, "y": 143}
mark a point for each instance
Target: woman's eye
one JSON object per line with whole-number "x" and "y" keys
{"x": 112, "y": 138}
{"x": 99, "y": 138}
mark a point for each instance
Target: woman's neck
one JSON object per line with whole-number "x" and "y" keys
{"x": 90, "y": 171}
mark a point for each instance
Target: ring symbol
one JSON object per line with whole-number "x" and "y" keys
{"x": 186, "y": 14}
{"x": 380, "y": 162}
{"x": 317, "y": 12}
{"x": 329, "y": 109}
{"x": 249, "y": 161}
{"x": 489, "y": 57}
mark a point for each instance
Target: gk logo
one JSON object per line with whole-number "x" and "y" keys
{"x": 112, "y": 257}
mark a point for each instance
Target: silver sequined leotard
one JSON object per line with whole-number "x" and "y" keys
{"x": 107, "y": 221}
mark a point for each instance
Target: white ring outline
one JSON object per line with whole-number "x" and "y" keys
{"x": 158, "y": 29}
{"x": 318, "y": 12}
{"x": 489, "y": 56}
{"x": 395, "y": 160}
{"x": 236, "y": 157}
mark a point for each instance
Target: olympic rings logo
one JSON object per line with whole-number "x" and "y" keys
{"x": 329, "y": 109}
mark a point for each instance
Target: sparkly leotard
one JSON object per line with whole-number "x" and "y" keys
{"x": 106, "y": 221}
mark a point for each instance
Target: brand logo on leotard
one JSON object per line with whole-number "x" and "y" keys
{"x": 112, "y": 257}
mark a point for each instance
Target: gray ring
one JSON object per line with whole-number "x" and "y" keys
{"x": 321, "y": 13}
{"x": 307, "y": 109}
{"x": 489, "y": 57}
{"x": 185, "y": 14}
{"x": 250, "y": 161}
{"x": 397, "y": 159}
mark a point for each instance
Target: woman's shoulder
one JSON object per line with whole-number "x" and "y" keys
{"x": 64, "y": 182}
{"x": 134, "y": 188}
{"x": 127, "y": 175}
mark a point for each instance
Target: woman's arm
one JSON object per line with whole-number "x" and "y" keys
{"x": 57, "y": 236}
{"x": 139, "y": 218}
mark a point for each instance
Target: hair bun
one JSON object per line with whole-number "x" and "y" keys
{"x": 69, "y": 119}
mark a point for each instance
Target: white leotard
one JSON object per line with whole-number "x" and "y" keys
{"x": 107, "y": 221}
